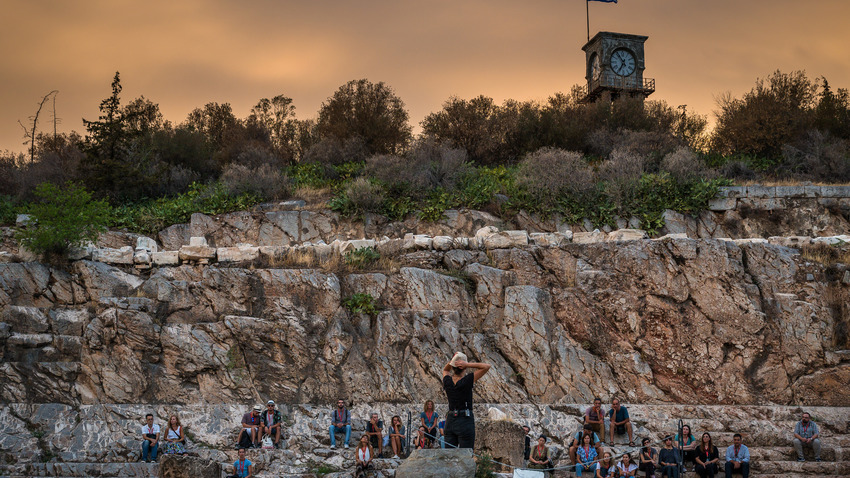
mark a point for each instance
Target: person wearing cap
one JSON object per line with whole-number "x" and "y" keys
{"x": 251, "y": 426}
{"x": 271, "y": 423}
{"x": 460, "y": 423}
{"x": 668, "y": 459}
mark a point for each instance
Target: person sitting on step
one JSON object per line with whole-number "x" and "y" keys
{"x": 668, "y": 459}
{"x": 375, "y": 432}
{"x": 364, "y": 456}
{"x": 806, "y": 433}
{"x": 173, "y": 437}
{"x": 737, "y": 458}
{"x": 620, "y": 424}
{"x": 428, "y": 419}
{"x": 707, "y": 457}
{"x": 242, "y": 468}
{"x": 689, "y": 445}
{"x": 625, "y": 468}
{"x": 272, "y": 423}
{"x": 422, "y": 438}
{"x": 397, "y": 434}
{"x": 605, "y": 468}
{"x": 250, "y": 437}
{"x": 539, "y": 458}
{"x": 586, "y": 455}
{"x": 340, "y": 423}
{"x": 578, "y": 438}
{"x": 648, "y": 458}
{"x": 595, "y": 417}
{"x": 150, "y": 439}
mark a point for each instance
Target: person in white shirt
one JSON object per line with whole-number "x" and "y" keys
{"x": 364, "y": 456}
{"x": 150, "y": 439}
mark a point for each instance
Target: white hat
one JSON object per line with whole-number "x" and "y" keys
{"x": 258, "y": 408}
{"x": 458, "y": 357}
{"x": 270, "y": 402}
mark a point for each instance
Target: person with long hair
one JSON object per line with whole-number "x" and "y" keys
{"x": 364, "y": 456}
{"x": 173, "y": 437}
{"x": 689, "y": 444}
{"x": 605, "y": 468}
{"x": 428, "y": 419}
{"x": 626, "y": 468}
{"x": 422, "y": 438}
{"x": 647, "y": 458}
{"x": 460, "y": 422}
{"x": 707, "y": 457}
{"x": 586, "y": 455}
{"x": 397, "y": 434}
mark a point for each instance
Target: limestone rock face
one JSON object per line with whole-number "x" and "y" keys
{"x": 639, "y": 319}
{"x": 178, "y": 466}
{"x": 499, "y": 439}
{"x": 438, "y": 464}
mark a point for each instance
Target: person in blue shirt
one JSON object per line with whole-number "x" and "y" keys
{"x": 428, "y": 419}
{"x": 340, "y": 423}
{"x": 620, "y": 421}
{"x": 243, "y": 468}
{"x": 737, "y": 458}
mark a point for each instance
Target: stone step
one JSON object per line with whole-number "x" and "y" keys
{"x": 805, "y": 468}
{"x": 102, "y": 470}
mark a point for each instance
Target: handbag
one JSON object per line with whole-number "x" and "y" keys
{"x": 267, "y": 442}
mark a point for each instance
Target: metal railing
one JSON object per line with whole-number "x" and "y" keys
{"x": 612, "y": 81}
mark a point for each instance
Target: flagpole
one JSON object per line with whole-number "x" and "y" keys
{"x": 587, "y": 7}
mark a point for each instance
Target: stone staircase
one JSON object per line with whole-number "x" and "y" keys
{"x": 101, "y": 440}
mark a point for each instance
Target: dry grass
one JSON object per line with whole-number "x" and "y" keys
{"x": 316, "y": 198}
{"x": 296, "y": 258}
{"x": 826, "y": 254}
{"x": 787, "y": 182}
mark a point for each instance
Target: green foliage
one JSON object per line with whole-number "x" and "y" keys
{"x": 361, "y": 304}
{"x": 63, "y": 217}
{"x": 485, "y": 467}
{"x": 362, "y": 258}
{"x": 321, "y": 469}
{"x": 152, "y": 216}
{"x": 7, "y": 210}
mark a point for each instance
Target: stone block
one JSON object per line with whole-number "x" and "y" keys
{"x": 722, "y": 204}
{"x": 670, "y": 237}
{"x": 627, "y": 235}
{"x": 835, "y": 191}
{"x": 113, "y": 256}
{"x": 846, "y": 278}
{"x": 794, "y": 192}
{"x": 731, "y": 192}
{"x": 750, "y": 240}
{"x": 354, "y": 244}
{"x": 147, "y": 244}
{"x": 25, "y": 319}
{"x": 142, "y": 258}
{"x": 589, "y": 237}
{"x": 438, "y": 463}
{"x": 442, "y": 243}
{"x": 23, "y": 220}
{"x": 757, "y": 191}
{"x": 68, "y": 321}
{"x": 790, "y": 241}
{"x": 81, "y": 253}
{"x": 552, "y": 239}
{"x": 763, "y": 204}
{"x": 202, "y": 254}
{"x": 237, "y": 254}
{"x": 505, "y": 240}
{"x": 293, "y": 204}
{"x": 422, "y": 241}
{"x": 198, "y": 241}
{"x": 832, "y": 240}
{"x": 812, "y": 191}
{"x": 165, "y": 258}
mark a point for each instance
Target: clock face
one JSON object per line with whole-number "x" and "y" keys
{"x": 595, "y": 67}
{"x": 623, "y": 62}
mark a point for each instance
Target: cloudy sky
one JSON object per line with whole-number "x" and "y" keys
{"x": 183, "y": 54}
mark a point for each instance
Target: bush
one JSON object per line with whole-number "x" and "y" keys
{"x": 263, "y": 181}
{"x": 428, "y": 165}
{"x": 360, "y": 304}
{"x": 739, "y": 170}
{"x": 64, "y": 217}
{"x": 684, "y": 165}
{"x": 548, "y": 173}
{"x": 817, "y": 157}
{"x": 8, "y": 210}
{"x": 333, "y": 151}
{"x": 362, "y": 258}
{"x": 621, "y": 174}
{"x": 365, "y": 196}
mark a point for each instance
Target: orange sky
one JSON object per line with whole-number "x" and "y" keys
{"x": 185, "y": 53}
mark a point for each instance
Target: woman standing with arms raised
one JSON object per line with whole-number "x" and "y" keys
{"x": 460, "y": 423}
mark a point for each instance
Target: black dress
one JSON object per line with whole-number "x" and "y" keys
{"x": 709, "y": 470}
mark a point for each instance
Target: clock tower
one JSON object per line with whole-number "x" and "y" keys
{"x": 615, "y": 64}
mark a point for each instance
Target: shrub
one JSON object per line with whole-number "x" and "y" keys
{"x": 362, "y": 258}
{"x": 684, "y": 165}
{"x": 817, "y": 157}
{"x": 263, "y": 181}
{"x": 254, "y": 154}
{"x": 621, "y": 174}
{"x": 64, "y": 217}
{"x": 7, "y": 210}
{"x": 365, "y": 196}
{"x": 360, "y": 304}
{"x": 334, "y": 151}
{"x": 548, "y": 173}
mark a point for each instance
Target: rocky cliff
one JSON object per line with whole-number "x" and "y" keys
{"x": 671, "y": 320}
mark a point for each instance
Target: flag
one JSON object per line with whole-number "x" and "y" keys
{"x": 605, "y": 1}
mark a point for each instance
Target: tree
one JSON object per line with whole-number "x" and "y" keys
{"x": 832, "y": 113}
{"x": 216, "y": 121}
{"x": 277, "y": 117}
{"x": 775, "y": 112}
{"x": 467, "y": 124}
{"x": 370, "y": 111}
{"x": 64, "y": 217}
{"x": 30, "y": 133}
